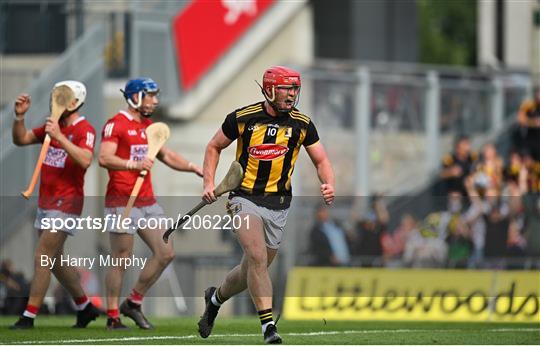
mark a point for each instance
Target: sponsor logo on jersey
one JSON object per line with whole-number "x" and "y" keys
{"x": 267, "y": 152}
{"x": 56, "y": 157}
{"x": 138, "y": 152}
{"x": 288, "y": 132}
{"x": 253, "y": 127}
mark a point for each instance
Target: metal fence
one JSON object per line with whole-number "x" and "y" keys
{"x": 388, "y": 125}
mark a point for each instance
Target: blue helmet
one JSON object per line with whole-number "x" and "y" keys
{"x": 139, "y": 86}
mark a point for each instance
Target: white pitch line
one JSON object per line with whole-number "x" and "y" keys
{"x": 185, "y": 337}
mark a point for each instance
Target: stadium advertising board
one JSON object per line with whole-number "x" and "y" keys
{"x": 406, "y": 294}
{"x": 218, "y": 26}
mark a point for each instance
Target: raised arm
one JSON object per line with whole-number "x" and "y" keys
{"x": 20, "y": 134}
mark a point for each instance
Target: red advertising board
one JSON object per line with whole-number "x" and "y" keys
{"x": 206, "y": 29}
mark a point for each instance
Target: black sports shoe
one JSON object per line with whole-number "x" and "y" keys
{"x": 87, "y": 315}
{"x": 271, "y": 335}
{"x": 134, "y": 312}
{"x": 206, "y": 323}
{"x": 23, "y": 323}
{"x": 115, "y": 324}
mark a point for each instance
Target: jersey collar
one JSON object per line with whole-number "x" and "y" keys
{"x": 78, "y": 120}
{"x": 62, "y": 122}
{"x": 126, "y": 114}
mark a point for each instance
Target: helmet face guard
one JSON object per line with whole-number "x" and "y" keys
{"x": 79, "y": 91}
{"x": 280, "y": 77}
{"x": 141, "y": 87}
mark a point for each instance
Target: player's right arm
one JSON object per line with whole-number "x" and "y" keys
{"x": 221, "y": 140}
{"x": 21, "y": 135}
{"x": 211, "y": 158}
{"x": 107, "y": 152}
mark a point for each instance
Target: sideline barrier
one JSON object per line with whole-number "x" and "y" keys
{"x": 412, "y": 295}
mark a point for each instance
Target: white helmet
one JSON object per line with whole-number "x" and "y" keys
{"x": 78, "y": 88}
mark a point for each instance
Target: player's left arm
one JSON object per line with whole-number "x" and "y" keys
{"x": 81, "y": 155}
{"x": 177, "y": 161}
{"x": 320, "y": 160}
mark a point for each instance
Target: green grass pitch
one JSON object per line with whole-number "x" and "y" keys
{"x": 246, "y": 330}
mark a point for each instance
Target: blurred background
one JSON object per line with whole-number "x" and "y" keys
{"x": 423, "y": 106}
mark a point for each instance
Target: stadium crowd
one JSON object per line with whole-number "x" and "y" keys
{"x": 490, "y": 215}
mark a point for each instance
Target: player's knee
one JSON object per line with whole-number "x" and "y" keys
{"x": 122, "y": 253}
{"x": 256, "y": 259}
{"x": 165, "y": 257}
{"x": 43, "y": 262}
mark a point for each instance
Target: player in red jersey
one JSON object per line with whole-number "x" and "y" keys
{"x": 123, "y": 152}
{"x": 61, "y": 197}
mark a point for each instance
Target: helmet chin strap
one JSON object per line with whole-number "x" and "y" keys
{"x": 271, "y": 100}
{"x": 138, "y": 105}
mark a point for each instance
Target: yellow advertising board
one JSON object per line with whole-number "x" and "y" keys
{"x": 412, "y": 295}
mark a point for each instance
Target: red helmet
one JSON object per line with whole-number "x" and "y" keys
{"x": 279, "y": 76}
{"x": 276, "y": 76}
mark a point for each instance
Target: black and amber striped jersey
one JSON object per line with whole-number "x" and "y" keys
{"x": 267, "y": 148}
{"x": 531, "y": 109}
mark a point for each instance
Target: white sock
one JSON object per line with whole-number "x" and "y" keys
{"x": 27, "y": 313}
{"x": 264, "y": 326}
{"x": 82, "y": 306}
{"x": 214, "y": 299}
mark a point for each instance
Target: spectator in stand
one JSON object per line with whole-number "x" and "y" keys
{"x": 425, "y": 248}
{"x": 492, "y": 165}
{"x": 476, "y": 191}
{"x": 529, "y": 122}
{"x": 488, "y": 214}
{"x": 450, "y": 217}
{"x": 532, "y": 229}
{"x": 525, "y": 214}
{"x": 529, "y": 133}
{"x": 516, "y": 242}
{"x": 393, "y": 244}
{"x": 456, "y": 166}
{"x": 443, "y": 237}
{"x": 533, "y": 174}
{"x": 460, "y": 244}
{"x": 370, "y": 228}
{"x": 328, "y": 242}
{"x": 515, "y": 168}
